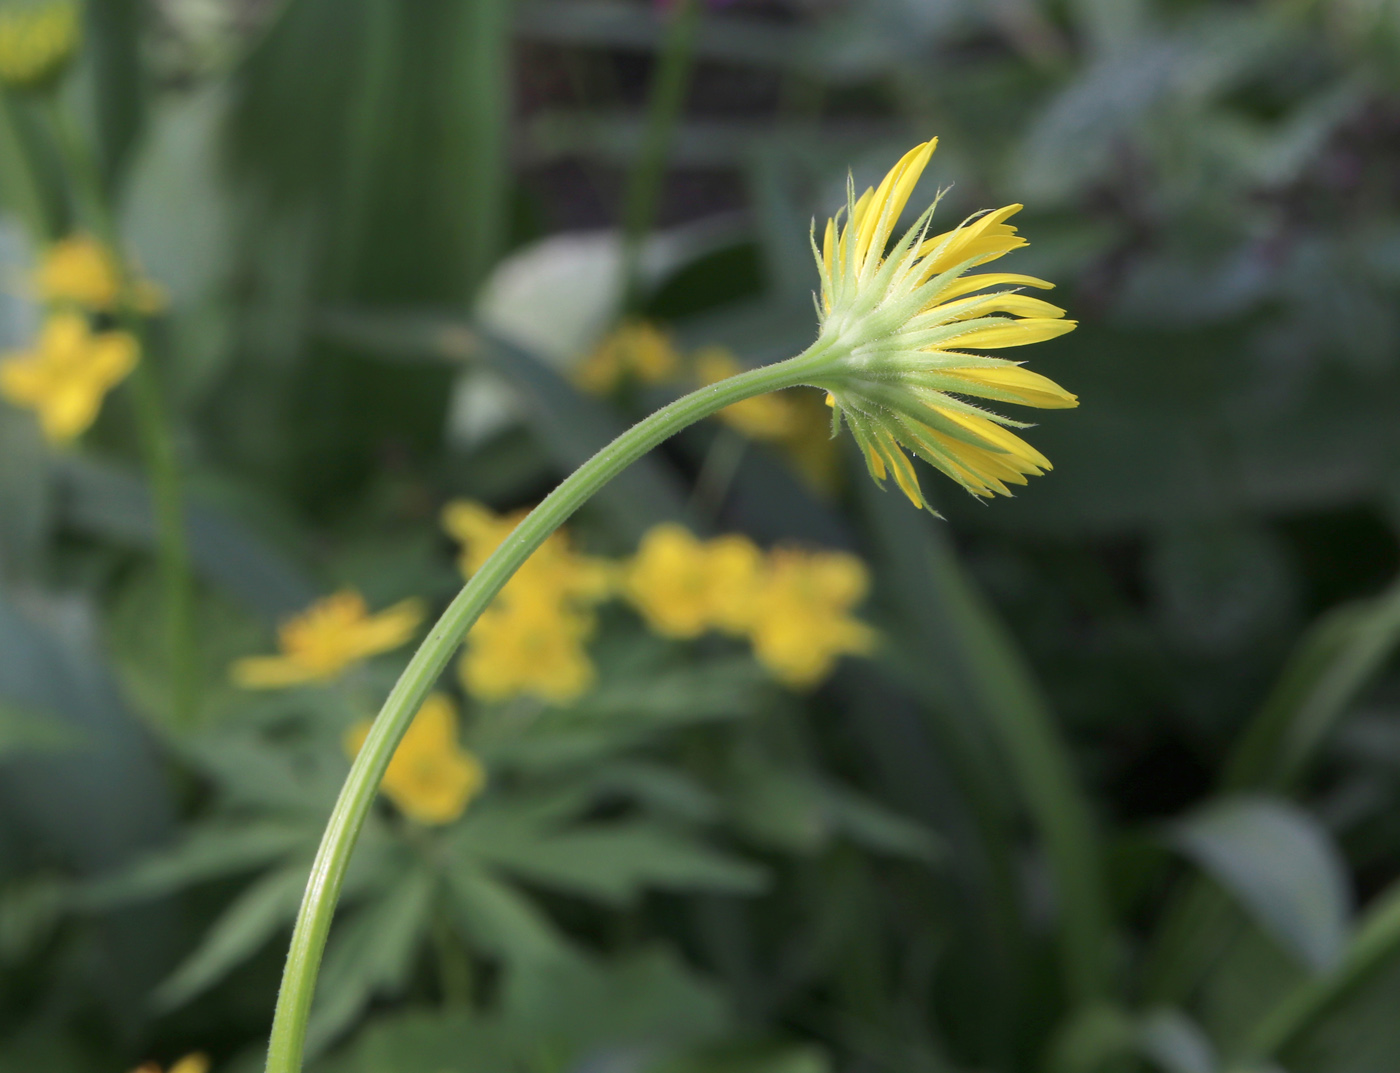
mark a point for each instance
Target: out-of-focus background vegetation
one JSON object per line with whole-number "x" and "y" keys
{"x": 1118, "y": 790}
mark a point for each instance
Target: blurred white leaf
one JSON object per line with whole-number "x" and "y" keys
{"x": 1281, "y": 865}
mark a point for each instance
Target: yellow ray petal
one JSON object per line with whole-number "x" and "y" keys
{"x": 890, "y": 198}
{"x": 1015, "y": 333}
{"x": 983, "y": 280}
{"x": 1020, "y": 305}
{"x": 1029, "y": 388}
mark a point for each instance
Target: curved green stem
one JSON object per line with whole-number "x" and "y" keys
{"x": 153, "y": 427}
{"x": 313, "y": 923}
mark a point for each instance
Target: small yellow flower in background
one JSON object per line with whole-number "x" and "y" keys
{"x": 532, "y": 638}
{"x": 191, "y": 1063}
{"x": 636, "y": 351}
{"x": 37, "y": 39}
{"x": 764, "y": 417}
{"x": 684, "y": 587}
{"x": 329, "y": 637}
{"x": 793, "y": 606}
{"x": 897, "y": 328}
{"x": 81, "y": 271}
{"x": 802, "y": 619}
{"x": 66, "y": 376}
{"x": 430, "y": 778}
{"x": 529, "y": 646}
{"x": 554, "y": 565}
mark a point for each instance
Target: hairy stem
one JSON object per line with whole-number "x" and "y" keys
{"x": 285, "y": 1048}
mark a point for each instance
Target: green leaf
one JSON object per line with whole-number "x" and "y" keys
{"x": 23, "y": 730}
{"x": 613, "y": 862}
{"x": 111, "y": 503}
{"x": 1281, "y": 865}
{"x": 212, "y": 851}
{"x": 1337, "y": 659}
{"x": 420, "y": 1041}
{"x": 589, "y": 1009}
{"x": 1371, "y": 963}
{"x": 371, "y": 953}
{"x": 258, "y": 914}
{"x": 966, "y": 659}
{"x": 499, "y": 918}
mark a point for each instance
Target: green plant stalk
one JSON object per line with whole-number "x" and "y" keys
{"x": 288, "y": 1039}
{"x": 1009, "y": 697}
{"x": 157, "y": 442}
{"x": 664, "y": 105}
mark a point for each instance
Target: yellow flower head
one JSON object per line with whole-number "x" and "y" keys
{"x": 763, "y": 417}
{"x": 191, "y": 1063}
{"x": 636, "y": 351}
{"x": 554, "y": 565}
{"x": 532, "y": 645}
{"x": 430, "y": 778}
{"x": 684, "y": 587}
{"x": 330, "y": 636}
{"x": 66, "y": 376}
{"x": 532, "y": 638}
{"x": 802, "y": 622}
{"x": 79, "y": 270}
{"x": 37, "y": 39}
{"x": 905, "y": 327}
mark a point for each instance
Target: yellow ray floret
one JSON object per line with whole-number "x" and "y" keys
{"x": 327, "y": 639}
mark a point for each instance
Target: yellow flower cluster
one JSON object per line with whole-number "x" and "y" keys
{"x": 430, "y": 778}
{"x": 191, "y": 1063}
{"x": 532, "y": 638}
{"x": 70, "y": 369}
{"x": 794, "y": 606}
{"x": 328, "y": 638}
{"x": 37, "y": 39}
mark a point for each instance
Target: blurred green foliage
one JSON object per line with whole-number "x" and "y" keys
{"x": 1119, "y": 791}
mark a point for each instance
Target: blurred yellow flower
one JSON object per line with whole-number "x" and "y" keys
{"x": 37, "y": 39}
{"x": 529, "y": 646}
{"x": 330, "y": 636}
{"x": 635, "y": 350}
{"x": 430, "y": 778}
{"x": 532, "y": 638}
{"x": 802, "y": 622}
{"x": 683, "y": 586}
{"x": 82, "y": 271}
{"x": 763, "y": 417}
{"x": 554, "y": 565}
{"x": 191, "y": 1063}
{"x": 895, "y": 328}
{"x": 66, "y": 376}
